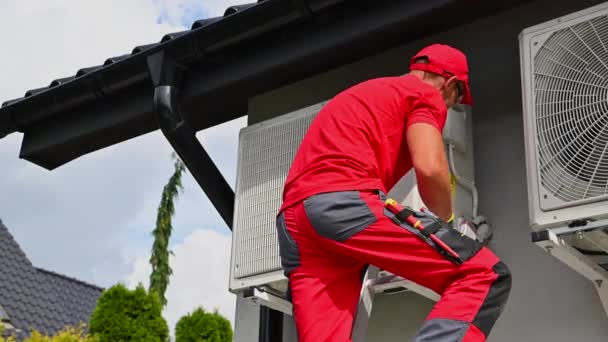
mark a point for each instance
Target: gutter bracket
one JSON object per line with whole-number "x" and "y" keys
{"x": 166, "y": 76}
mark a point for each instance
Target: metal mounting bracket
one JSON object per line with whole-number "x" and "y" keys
{"x": 552, "y": 241}
{"x": 270, "y": 300}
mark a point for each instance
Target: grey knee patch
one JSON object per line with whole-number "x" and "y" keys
{"x": 338, "y": 215}
{"x": 442, "y": 330}
{"x": 288, "y": 249}
{"x": 495, "y": 302}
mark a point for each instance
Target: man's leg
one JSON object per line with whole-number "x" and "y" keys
{"x": 324, "y": 301}
{"x": 325, "y": 286}
{"x": 473, "y": 293}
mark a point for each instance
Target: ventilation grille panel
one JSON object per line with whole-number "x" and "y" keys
{"x": 571, "y": 112}
{"x": 266, "y": 152}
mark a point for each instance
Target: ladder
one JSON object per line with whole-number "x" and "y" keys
{"x": 375, "y": 281}
{"x": 553, "y": 241}
{"x": 378, "y": 281}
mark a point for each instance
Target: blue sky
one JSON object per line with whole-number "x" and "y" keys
{"x": 185, "y": 12}
{"x": 91, "y": 218}
{"x": 188, "y": 14}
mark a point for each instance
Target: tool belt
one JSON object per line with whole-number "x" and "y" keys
{"x": 453, "y": 245}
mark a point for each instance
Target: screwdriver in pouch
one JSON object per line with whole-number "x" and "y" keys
{"x": 396, "y": 208}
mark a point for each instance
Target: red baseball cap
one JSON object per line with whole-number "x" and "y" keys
{"x": 445, "y": 60}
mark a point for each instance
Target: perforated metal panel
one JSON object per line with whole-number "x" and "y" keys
{"x": 266, "y": 151}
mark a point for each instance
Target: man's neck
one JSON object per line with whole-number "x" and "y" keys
{"x": 434, "y": 82}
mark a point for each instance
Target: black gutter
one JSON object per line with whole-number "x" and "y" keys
{"x": 166, "y": 75}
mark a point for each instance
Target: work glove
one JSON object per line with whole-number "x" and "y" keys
{"x": 477, "y": 229}
{"x": 466, "y": 227}
{"x": 483, "y": 229}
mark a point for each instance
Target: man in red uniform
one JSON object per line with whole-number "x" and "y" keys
{"x": 334, "y": 221}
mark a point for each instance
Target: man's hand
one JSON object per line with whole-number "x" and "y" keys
{"x": 426, "y": 148}
{"x": 478, "y": 229}
{"x": 483, "y": 230}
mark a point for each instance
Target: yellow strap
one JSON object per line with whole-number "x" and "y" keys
{"x": 451, "y": 218}
{"x": 417, "y": 224}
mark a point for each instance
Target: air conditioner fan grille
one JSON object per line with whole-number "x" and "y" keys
{"x": 571, "y": 106}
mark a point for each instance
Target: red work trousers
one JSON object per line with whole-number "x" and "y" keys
{"x": 327, "y": 241}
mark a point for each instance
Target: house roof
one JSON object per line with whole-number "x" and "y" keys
{"x": 35, "y": 298}
{"x": 78, "y": 299}
{"x": 252, "y": 49}
{"x": 3, "y": 315}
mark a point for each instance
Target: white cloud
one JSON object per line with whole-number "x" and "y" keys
{"x": 78, "y": 208}
{"x": 200, "y": 276}
{"x": 48, "y": 39}
{"x": 99, "y": 209}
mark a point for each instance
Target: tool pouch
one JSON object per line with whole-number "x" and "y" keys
{"x": 463, "y": 245}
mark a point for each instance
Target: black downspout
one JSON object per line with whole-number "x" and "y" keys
{"x": 166, "y": 74}
{"x": 271, "y": 325}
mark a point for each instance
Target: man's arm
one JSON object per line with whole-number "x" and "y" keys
{"x": 426, "y": 148}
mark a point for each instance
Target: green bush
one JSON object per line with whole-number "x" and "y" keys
{"x": 7, "y": 338}
{"x": 128, "y": 315}
{"x": 68, "y": 334}
{"x": 201, "y": 326}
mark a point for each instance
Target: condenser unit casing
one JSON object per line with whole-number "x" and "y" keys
{"x": 564, "y": 69}
{"x": 564, "y": 66}
{"x": 265, "y": 153}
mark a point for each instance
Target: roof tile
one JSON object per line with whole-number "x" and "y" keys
{"x": 237, "y": 8}
{"x": 10, "y": 102}
{"x": 173, "y": 35}
{"x": 85, "y": 71}
{"x": 142, "y": 48}
{"x": 37, "y": 298}
{"x": 205, "y": 22}
{"x": 35, "y": 91}
{"x": 116, "y": 59}
{"x": 61, "y": 81}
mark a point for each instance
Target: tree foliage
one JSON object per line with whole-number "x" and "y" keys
{"x": 159, "y": 258}
{"x": 3, "y": 335}
{"x": 201, "y": 326}
{"x": 67, "y": 334}
{"x": 129, "y": 315}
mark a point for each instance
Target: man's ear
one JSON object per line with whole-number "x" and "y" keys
{"x": 445, "y": 84}
{"x": 450, "y": 81}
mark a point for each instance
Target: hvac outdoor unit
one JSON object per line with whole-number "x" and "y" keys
{"x": 266, "y": 151}
{"x": 564, "y": 65}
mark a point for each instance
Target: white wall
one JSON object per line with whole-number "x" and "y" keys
{"x": 549, "y": 302}
{"x": 246, "y": 321}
